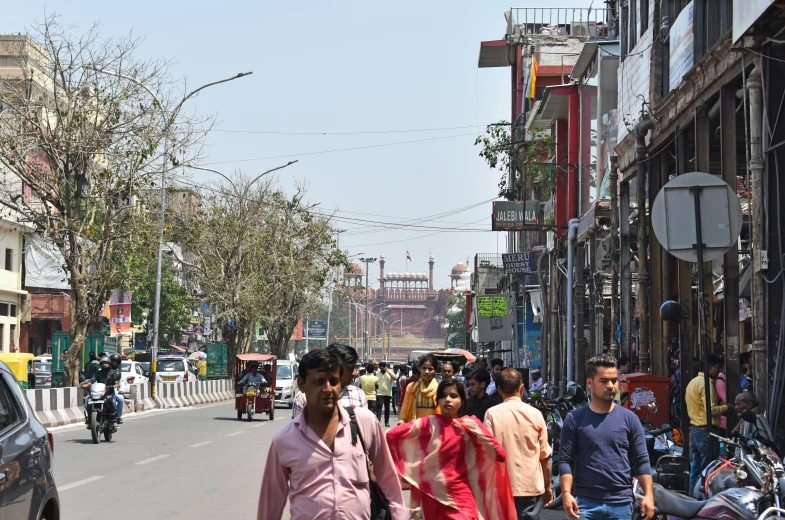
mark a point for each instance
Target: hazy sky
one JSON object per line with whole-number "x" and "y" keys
{"x": 374, "y": 71}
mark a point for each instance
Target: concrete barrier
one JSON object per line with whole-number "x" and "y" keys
{"x": 62, "y": 406}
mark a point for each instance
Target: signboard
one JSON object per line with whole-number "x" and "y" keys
{"x": 514, "y": 215}
{"x": 316, "y": 329}
{"x": 681, "y": 46}
{"x": 518, "y": 263}
{"x": 641, "y": 397}
{"x": 746, "y": 13}
{"x": 297, "y": 333}
{"x": 492, "y": 306}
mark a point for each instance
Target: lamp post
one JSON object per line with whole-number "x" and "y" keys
{"x": 367, "y": 261}
{"x": 170, "y": 119}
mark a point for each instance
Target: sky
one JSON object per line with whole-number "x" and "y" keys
{"x": 396, "y": 82}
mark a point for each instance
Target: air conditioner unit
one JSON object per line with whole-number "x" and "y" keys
{"x": 585, "y": 29}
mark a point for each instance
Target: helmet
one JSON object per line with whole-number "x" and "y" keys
{"x": 670, "y": 311}
{"x": 104, "y": 359}
{"x": 536, "y": 373}
{"x": 115, "y": 358}
{"x": 575, "y": 393}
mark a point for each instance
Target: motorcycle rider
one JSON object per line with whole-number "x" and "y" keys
{"x": 115, "y": 360}
{"x": 253, "y": 377}
{"x": 107, "y": 376}
{"x": 536, "y": 381}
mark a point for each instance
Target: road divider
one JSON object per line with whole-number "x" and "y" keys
{"x": 62, "y": 406}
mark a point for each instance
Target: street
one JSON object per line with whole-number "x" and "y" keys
{"x": 189, "y": 463}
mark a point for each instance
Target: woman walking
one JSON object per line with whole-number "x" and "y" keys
{"x": 420, "y": 399}
{"x": 456, "y": 468}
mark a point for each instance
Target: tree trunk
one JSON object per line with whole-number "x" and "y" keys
{"x": 78, "y": 337}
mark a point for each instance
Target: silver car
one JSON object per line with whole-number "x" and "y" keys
{"x": 27, "y": 486}
{"x": 285, "y": 383}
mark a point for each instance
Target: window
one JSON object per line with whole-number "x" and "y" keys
{"x": 13, "y": 310}
{"x": 3, "y": 309}
{"x": 633, "y": 27}
{"x": 625, "y": 29}
{"x": 9, "y": 259}
{"x": 644, "y": 16}
{"x": 13, "y": 335}
{"x": 9, "y": 408}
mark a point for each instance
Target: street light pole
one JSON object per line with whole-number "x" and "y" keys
{"x": 367, "y": 316}
{"x": 170, "y": 119}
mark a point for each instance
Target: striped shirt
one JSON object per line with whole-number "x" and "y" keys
{"x": 350, "y": 396}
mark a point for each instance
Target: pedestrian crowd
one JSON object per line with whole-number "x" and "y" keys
{"x": 466, "y": 445}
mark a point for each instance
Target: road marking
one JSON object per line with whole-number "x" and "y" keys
{"x": 78, "y": 483}
{"x": 235, "y": 433}
{"x": 197, "y": 445}
{"x": 151, "y": 459}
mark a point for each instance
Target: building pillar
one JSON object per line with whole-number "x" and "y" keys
{"x": 430, "y": 274}
{"x": 613, "y": 182}
{"x": 703, "y": 140}
{"x": 381, "y": 276}
{"x": 573, "y": 157}
{"x": 560, "y": 210}
{"x": 659, "y": 365}
{"x": 730, "y": 264}
{"x": 580, "y": 305}
{"x": 625, "y": 259}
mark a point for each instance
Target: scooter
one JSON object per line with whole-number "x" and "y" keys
{"x": 102, "y": 419}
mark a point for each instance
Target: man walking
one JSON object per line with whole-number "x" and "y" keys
{"x": 497, "y": 365}
{"x": 479, "y": 402}
{"x": 314, "y": 462}
{"x": 370, "y": 384}
{"x": 695, "y": 395}
{"x": 602, "y": 447}
{"x": 521, "y": 431}
{"x": 350, "y": 395}
{"x": 385, "y": 379}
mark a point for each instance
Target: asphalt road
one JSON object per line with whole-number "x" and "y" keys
{"x": 190, "y": 463}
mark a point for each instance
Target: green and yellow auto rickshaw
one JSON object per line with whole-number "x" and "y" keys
{"x": 22, "y": 365}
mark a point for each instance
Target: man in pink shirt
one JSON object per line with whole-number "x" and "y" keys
{"x": 312, "y": 460}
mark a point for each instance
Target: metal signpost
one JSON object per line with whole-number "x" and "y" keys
{"x": 697, "y": 217}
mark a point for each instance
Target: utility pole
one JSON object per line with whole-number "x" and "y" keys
{"x": 367, "y": 320}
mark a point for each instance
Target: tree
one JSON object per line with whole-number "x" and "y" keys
{"x": 174, "y": 313}
{"x": 76, "y": 146}
{"x": 456, "y": 321}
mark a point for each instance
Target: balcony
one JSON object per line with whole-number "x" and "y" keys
{"x": 589, "y": 23}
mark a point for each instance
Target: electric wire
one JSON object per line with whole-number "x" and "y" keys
{"x": 320, "y": 152}
{"x": 355, "y": 132}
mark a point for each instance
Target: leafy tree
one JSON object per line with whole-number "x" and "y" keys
{"x": 456, "y": 321}
{"x": 76, "y": 145}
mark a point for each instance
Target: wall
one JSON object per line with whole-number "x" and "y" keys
{"x": 10, "y": 286}
{"x": 634, "y": 74}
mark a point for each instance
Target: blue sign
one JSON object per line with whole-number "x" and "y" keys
{"x": 518, "y": 263}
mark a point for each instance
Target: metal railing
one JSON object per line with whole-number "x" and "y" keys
{"x": 596, "y": 24}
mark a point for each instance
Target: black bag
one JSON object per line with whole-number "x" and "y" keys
{"x": 380, "y": 507}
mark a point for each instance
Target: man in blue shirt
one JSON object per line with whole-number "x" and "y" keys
{"x": 253, "y": 377}
{"x": 602, "y": 446}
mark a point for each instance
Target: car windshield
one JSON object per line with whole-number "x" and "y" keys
{"x": 283, "y": 372}
{"x": 43, "y": 367}
{"x": 125, "y": 367}
{"x": 171, "y": 365}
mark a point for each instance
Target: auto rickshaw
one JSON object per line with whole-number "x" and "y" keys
{"x": 248, "y": 399}
{"x": 22, "y": 365}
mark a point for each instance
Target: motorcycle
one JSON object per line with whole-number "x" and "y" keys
{"x": 755, "y": 484}
{"x": 669, "y": 467}
{"x": 102, "y": 417}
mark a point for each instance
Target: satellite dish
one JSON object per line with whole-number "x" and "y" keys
{"x": 673, "y": 216}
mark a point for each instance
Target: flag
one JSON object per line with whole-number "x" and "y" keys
{"x": 409, "y": 256}
{"x": 533, "y": 82}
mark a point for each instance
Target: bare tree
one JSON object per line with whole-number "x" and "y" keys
{"x": 78, "y": 147}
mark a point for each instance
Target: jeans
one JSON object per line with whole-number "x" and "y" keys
{"x": 383, "y": 400}
{"x": 108, "y": 407}
{"x": 396, "y": 397}
{"x": 591, "y": 510}
{"x": 528, "y": 508}
{"x": 699, "y": 449}
{"x": 119, "y": 400}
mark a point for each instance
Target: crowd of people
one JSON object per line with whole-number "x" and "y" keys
{"x": 467, "y": 445}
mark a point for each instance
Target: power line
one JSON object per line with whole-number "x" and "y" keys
{"x": 356, "y": 132}
{"x": 414, "y": 238}
{"x": 234, "y": 161}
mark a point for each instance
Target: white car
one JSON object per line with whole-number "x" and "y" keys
{"x": 172, "y": 369}
{"x": 132, "y": 372}
{"x": 285, "y": 383}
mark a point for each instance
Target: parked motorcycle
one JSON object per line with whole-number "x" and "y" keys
{"x": 755, "y": 486}
{"x": 102, "y": 419}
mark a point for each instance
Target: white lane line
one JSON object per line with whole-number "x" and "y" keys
{"x": 199, "y": 444}
{"x": 151, "y": 459}
{"x": 257, "y": 425}
{"x": 78, "y": 483}
{"x": 235, "y": 433}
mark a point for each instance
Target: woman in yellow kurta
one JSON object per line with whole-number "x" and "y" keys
{"x": 420, "y": 399}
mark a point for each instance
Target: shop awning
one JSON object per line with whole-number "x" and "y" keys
{"x": 494, "y": 54}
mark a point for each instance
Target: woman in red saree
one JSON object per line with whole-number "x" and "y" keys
{"x": 457, "y": 469}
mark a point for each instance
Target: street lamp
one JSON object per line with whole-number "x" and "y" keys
{"x": 367, "y": 261}
{"x": 169, "y": 122}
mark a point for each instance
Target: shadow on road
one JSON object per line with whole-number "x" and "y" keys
{"x": 243, "y": 420}
{"x": 82, "y": 441}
